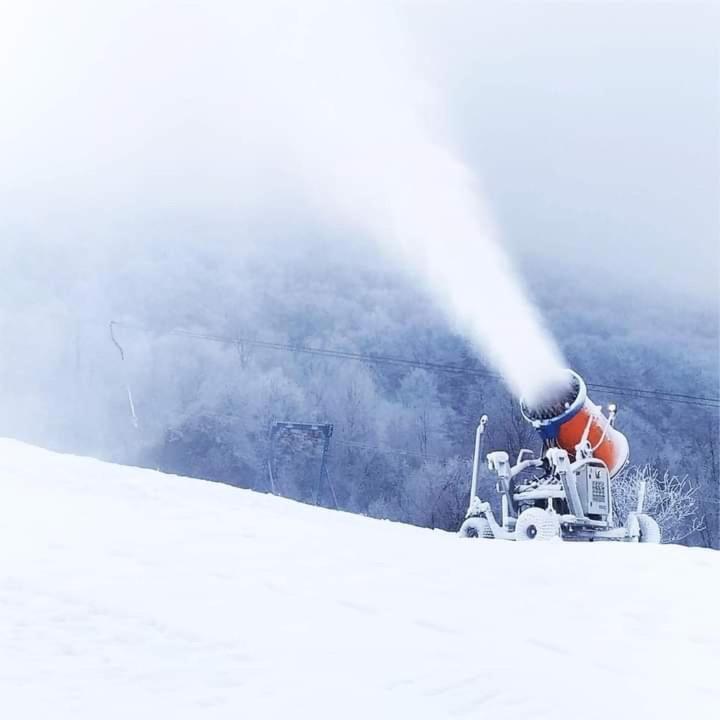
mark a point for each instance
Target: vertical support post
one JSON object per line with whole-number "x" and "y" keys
{"x": 327, "y": 434}
{"x": 641, "y": 495}
{"x": 271, "y": 455}
{"x": 505, "y": 511}
{"x": 476, "y": 457}
{"x": 332, "y": 488}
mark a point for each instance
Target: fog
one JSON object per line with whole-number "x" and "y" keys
{"x": 510, "y": 186}
{"x": 227, "y": 110}
{"x": 593, "y": 126}
{"x": 596, "y": 126}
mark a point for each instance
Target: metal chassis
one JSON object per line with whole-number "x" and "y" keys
{"x": 574, "y": 526}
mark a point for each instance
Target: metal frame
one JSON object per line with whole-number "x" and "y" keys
{"x": 325, "y": 430}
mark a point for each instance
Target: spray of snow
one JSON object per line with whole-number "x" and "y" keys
{"x": 219, "y": 106}
{"x": 367, "y": 133}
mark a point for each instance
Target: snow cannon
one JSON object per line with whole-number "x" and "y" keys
{"x": 566, "y": 493}
{"x": 567, "y": 418}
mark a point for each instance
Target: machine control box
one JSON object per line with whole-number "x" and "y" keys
{"x": 593, "y": 483}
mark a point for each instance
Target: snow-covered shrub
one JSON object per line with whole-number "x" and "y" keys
{"x": 670, "y": 499}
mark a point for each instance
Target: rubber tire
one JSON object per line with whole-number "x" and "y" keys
{"x": 476, "y": 527}
{"x": 537, "y": 524}
{"x": 649, "y": 529}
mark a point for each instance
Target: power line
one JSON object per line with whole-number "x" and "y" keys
{"x": 325, "y": 352}
{"x": 665, "y": 393}
{"x": 695, "y": 400}
{"x": 640, "y": 393}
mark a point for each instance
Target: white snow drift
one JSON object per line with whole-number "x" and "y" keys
{"x": 126, "y": 593}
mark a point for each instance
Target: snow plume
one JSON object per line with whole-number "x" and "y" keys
{"x": 366, "y": 133}
{"x": 227, "y": 106}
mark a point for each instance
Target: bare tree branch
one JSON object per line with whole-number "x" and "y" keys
{"x": 670, "y": 499}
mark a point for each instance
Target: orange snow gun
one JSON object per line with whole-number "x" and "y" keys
{"x": 566, "y": 493}
{"x": 572, "y": 422}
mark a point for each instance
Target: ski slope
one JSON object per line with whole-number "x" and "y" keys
{"x": 126, "y": 593}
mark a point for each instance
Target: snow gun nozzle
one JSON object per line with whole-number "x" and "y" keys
{"x": 560, "y": 396}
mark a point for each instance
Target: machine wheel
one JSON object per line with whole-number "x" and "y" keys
{"x": 537, "y": 524}
{"x": 649, "y": 529}
{"x": 476, "y": 527}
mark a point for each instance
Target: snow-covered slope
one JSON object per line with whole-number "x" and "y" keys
{"x": 126, "y": 593}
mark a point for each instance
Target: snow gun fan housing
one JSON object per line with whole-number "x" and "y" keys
{"x": 566, "y": 418}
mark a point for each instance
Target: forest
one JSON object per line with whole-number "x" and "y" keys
{"x": 225, "y": 340}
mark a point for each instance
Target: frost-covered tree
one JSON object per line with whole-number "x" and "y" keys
{"x": 205, "y": 407}
{"x": 670, "y": 499}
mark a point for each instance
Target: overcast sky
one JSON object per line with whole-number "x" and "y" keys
{"x": 592, "y": 127}
{"x": 596, "y": 126}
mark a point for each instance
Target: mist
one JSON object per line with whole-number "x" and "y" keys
{"x": 323, "y": 104}
{"x": 369, "y": 144}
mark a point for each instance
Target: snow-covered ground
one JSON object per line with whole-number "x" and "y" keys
{"x": 127, "y": 593}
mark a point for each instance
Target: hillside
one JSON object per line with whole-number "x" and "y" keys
{"x": 127, "y": 593}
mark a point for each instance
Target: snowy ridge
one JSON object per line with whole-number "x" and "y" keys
{"x": 126, "y": 593}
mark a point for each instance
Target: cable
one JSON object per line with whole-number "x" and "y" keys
{"x": 640, "y": 393}
{"x": 693, "y": 400}
{"x": 117, "y": 344}
{"x": 620, "y": 388}
{"x": 304, "y": 349}
{"x": 701, "y": 402}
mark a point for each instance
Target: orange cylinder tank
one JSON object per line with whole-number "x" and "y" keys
{"x": 571, "y": 419}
